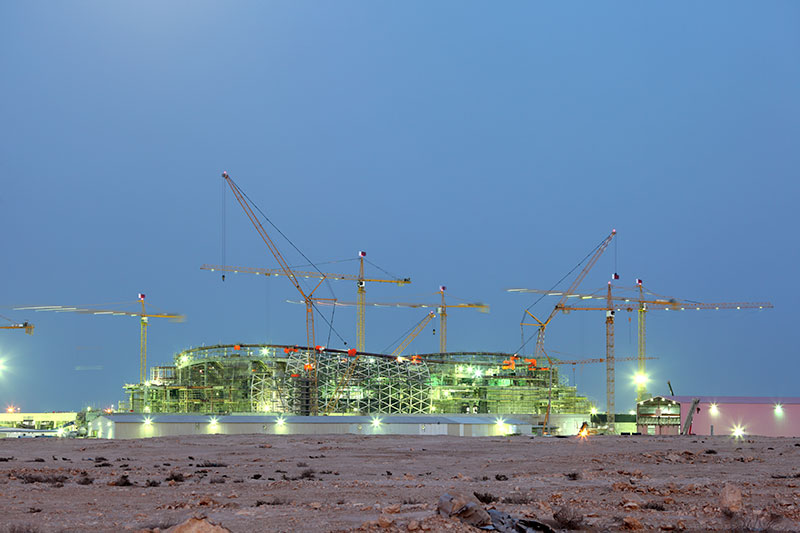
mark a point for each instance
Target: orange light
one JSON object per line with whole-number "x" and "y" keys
{"x": 583, "y": 434}
{"x": 237, "y": 347}
{"x": 10, "y": 409}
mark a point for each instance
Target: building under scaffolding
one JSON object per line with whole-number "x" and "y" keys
{"x": 273, "y": 379}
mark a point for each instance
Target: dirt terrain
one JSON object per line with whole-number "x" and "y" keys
{"x": 251, "y": 483}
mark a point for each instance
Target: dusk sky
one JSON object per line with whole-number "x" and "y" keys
{"x": 482, "y": 146}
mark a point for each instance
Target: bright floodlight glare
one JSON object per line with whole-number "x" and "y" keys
{"x": 713, "y": 409}
{"x": 738, "y": 432}
{"x": 376, "y": 422}
{"x": 640, "y": 379}
{"x": 778, "y": 409}
{"x": 280, "y": 421}
{"x": 631, "y": 412}
{"x": 148, "y": 421}
{"x": 593, "y": 410}
{"x": 213, "y": 422}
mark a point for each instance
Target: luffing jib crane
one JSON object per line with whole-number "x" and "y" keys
{"x": 310, "y": 368}
{"x": 542, "y": 324}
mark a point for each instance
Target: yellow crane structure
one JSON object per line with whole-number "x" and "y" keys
{"x": 143, "y": 316}
{"x": 441, "y": 309}
{"x": 542, "y": 324}
{"x": 333, "y": 401}
{"x": 644, "y": 303}
{"x": 360, "y": 279}
{"x": 27, "y": 326}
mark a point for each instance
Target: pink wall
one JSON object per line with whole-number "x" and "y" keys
{"x": 754, "y": 418}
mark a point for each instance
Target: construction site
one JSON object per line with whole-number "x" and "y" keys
{"x": 311, "y": 380}
{"x": 271, "y": 379}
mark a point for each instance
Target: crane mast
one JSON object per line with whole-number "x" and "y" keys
{"x": 641, "y": 388}
{"x": 442, "y": 323}
{"x": 610, "y": 362}
{"x": 360, "y": 309}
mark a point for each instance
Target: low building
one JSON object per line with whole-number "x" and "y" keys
{"x": 40, "y": 421}
{"x": 658, "y": 416}
{"x": 741, "y": 415}
{"x": 139, "y": 425}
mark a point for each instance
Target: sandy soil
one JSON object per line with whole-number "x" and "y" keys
{"x": 252, "y": 483}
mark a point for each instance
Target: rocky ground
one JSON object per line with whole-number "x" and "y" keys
{"x": 251, "y": 483}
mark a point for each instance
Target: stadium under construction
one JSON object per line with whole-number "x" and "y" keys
{"x": 264, "y": 378}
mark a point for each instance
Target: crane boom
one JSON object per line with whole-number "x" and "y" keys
{"x": 360, "y": 279}
{"x": 143, "y": 321}
{"x": 580, "y": 277}
{"x": 311, "y": 364}
{"x": 440, "y": 307}
{"x": 27, "y": 326}
{"x": 413, "y": 335}
{"x": 301, "y": 274}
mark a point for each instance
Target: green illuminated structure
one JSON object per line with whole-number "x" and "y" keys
{"x": 270, "y": 379}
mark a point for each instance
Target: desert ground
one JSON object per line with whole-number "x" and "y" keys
{"x": 251, "y": 483}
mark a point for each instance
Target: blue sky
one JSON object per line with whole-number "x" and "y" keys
{"x": 481, "y": 146}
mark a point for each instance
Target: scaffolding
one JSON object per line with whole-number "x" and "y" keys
{"x": 263, "y": 378}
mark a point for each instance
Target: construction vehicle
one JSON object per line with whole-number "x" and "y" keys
{"x": 143, "y": 316}
{"x": 360, "y": 279}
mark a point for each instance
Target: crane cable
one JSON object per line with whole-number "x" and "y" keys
{"x": 330, "y": 288}
{"x": 565, "y": 276}
{"x": 404, "y": 334}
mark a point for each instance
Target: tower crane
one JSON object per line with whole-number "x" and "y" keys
{"x": 333, "y": 401}
{"x": 144, "y": 315}
{"x": 441, "y": 309}
{"x": 27, "y": 326}
{"x": 542, "y": 324}
{"x": 644, "y": 303}
{"x": 360, "y": 279}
